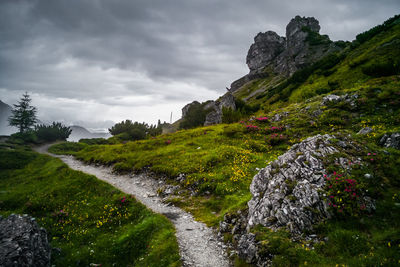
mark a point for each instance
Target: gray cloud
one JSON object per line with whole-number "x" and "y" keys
{"x": 124, "y": 56}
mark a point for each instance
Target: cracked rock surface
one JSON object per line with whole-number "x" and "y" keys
{"x": 286, "y": 192}
{"x": 23, "y": 242}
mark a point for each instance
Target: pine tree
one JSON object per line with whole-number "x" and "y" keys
{"x": 23, "y": 115}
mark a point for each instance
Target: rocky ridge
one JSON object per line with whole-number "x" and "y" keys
{"x": 302, "y": 46}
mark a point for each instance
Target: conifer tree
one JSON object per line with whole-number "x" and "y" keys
{"x": 23, "y": 115}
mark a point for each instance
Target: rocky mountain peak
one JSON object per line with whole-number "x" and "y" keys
{"x": 297, "y": 24}
{"x": 302, "y": 46}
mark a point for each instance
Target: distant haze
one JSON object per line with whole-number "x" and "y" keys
{"x": 97, "y": 62}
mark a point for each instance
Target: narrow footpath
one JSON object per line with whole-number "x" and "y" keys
{"x": 198, "y": 244}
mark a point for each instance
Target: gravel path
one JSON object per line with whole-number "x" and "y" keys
{"x": 198, "y": 244}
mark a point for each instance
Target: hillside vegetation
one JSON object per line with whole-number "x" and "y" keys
{"x": 88, "y": 220}
{"x": 215, "y": 165}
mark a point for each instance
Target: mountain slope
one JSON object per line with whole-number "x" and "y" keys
{"x": 261, "y": 181}
{"x": 368, "y": 63}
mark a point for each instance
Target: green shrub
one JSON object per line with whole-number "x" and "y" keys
{"x": 195, "y": 116}
{"x": 53, "y": 132}
{"x": 128, "y": 130}
{"x": 381, "y": 68}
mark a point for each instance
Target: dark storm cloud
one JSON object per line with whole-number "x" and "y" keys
{"x": 177, "y": 51}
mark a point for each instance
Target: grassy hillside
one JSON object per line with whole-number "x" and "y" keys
{"x": 359, "y": 64}
{"x": 89, "y": 220}
{"x": 220, "y": 161}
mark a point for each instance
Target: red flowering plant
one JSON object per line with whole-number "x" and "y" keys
{"x": 252, "y": 128}
{"x": 274, "y": 129}
{"x": 262, "y": 119}
{"x": 344, "y": 194}
{"x": 274, "y": 138}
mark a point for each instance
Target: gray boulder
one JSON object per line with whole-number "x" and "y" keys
{"x": 334, "y": 99}
{"x": 365, "y": 130}
{"x": 287, "y": 192}
{"x": 390, "y": 140}
{"x": 22, "y": 242}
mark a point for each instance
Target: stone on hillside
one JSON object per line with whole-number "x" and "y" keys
{"x": 365, "y": 130}
{"x": 391, "y": 140}
{"x": 214, "y": 117}
{"x": 286, "y": 192}
{"x": 22, "y": 242}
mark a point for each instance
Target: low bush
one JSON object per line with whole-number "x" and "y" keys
{"x": 381, "y": 68}
{"x": 53, "y": 132}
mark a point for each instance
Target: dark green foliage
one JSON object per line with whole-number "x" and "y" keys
{"x": 230, "y": 116}
{"x": 134, "y": 130}
{"x": 243, "y": 110}
{"x": 367, "y": 35}
{"x": 196, "y": 116}
{"x": 23, "y": 114}
{"x": 27, "y": 137}
{"x": 53, "y": 132}
{"x": 381, "y": 68}
{"x": 314, "y": 38}
{"x": 342, "y": 44}
{"x": 14, "y": 158}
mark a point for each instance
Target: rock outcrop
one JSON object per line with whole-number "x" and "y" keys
{"x": 22, "y": 242}
{"x": 185, "y": 109}
{"x": 287, "y": 193}
{"x": 302, "y": 46}
{"x": 390, "y": 140}
{"x": 213, "y": 108}
{"x": 266, "y": 47}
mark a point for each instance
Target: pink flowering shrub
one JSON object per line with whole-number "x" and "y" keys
{"x": 262, "y": 119}
{"x": 252, "y": 128}
{"x": 274, "y": 129}
{"x": 168, "y": 142}
{"x": 275, "y": 139}
{"x": 344, "y": 195}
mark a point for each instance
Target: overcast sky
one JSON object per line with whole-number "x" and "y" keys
{"x": 100, "y": 60}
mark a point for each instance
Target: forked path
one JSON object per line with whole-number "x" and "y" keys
{"x": 198, "y": 244}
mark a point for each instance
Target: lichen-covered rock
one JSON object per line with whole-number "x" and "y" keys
{"x": 287, "y": 192}
{"x": 22, "y": 242}
{"x": 390, "y": 140}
